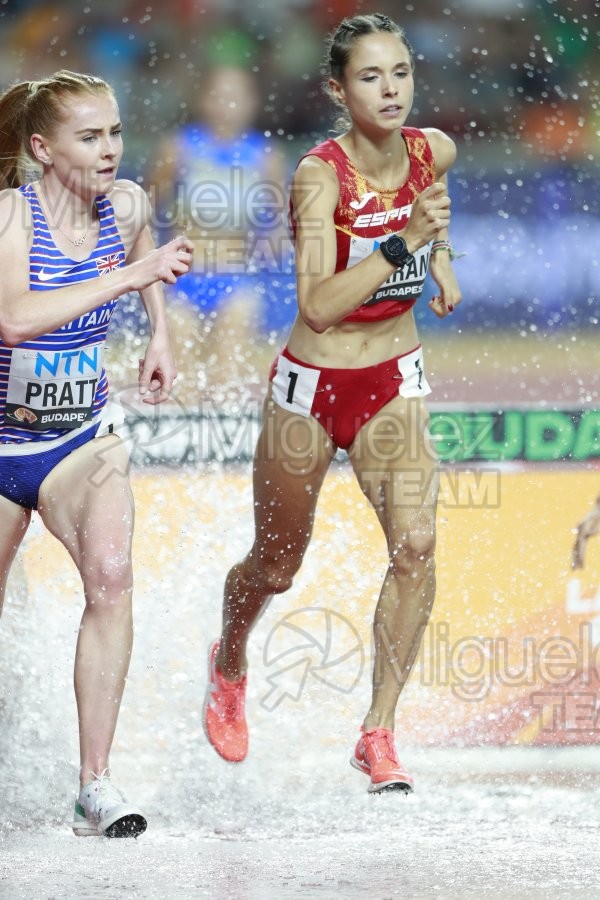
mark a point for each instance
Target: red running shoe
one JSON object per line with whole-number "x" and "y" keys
{"x": 375, "y": 755}
{"x": 224, "y": 719}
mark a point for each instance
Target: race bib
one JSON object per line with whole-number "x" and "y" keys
{"x": 405, "y": 283}
{"x": 414, "y": 383}
{"x": 53, "y": 388}
{"x": 294, "y": 386}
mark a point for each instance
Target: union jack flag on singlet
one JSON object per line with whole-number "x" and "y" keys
{"x": 108, "y": 263}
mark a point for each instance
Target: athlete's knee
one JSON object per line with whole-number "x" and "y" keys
{"x": 108, "y": 578}
{"x": 414, "y": 554}
{"x": 273, "y": 572}
{"x": 276, "y": 576}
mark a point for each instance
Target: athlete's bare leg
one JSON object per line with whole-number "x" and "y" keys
{"x": 14, "y": 520}
{"x": 292, "y": 456}
{"x": 397, "y": 471}
{"x": 587, "y": 528}
{"x": 212, "y": 351}
{"x": 95, "y": 524}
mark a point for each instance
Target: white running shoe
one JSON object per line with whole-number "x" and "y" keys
{"x": 101, "y": 809}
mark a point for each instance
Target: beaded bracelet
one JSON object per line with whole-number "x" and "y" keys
{"x": 446, "y": 245}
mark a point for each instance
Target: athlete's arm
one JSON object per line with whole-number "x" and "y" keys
{"x": 325, "y": 298}
{"x": 157, "y": 369}
{"x": 22, "y": 315}
{"x": 442, "y": 272}
{"x": 443, "y": 149}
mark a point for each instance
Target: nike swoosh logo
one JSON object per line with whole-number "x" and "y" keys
{"x": 50, "y": 276}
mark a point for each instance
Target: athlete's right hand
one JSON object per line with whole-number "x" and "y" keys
{"x": 430, "y": 214}
{"x": 164, "y": 264}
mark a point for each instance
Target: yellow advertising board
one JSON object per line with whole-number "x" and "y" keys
{"x": 510, "y": 655}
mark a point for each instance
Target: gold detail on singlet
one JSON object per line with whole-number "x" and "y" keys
{"x": 421, "y": 173}
{"x": 344, "y": 230}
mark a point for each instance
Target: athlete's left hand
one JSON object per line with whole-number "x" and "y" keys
{"x": 157, "y": 371}
{"x": 443, "y": 274}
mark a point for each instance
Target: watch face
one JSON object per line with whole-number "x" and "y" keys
{"x": 396, "y": 245}
{"x": 398, "y": 249}
{"x": 395, "y": 250}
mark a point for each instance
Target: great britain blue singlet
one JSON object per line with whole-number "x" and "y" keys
{"x": 57, "y": 383}
{"x": 225, "y": 186}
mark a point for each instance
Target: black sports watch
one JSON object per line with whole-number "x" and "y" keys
{"x": 396, "y": 251}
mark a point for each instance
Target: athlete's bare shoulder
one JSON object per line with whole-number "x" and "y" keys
{"x": 314, "y": 166}
{"x": 12, "y": 200}
{"x": 16, "y": 235}
{"x": 443, "y": 149}
{"x": 132, "y": 208}
{"x": 15, "y": 214}
{"x": 314, "y": 185}
{"x": 11, "y": 194}
{"x": 127, "y": 197}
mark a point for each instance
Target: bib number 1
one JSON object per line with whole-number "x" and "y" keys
{"x": 294, "y": 386}
{"x": 293, "y": 376}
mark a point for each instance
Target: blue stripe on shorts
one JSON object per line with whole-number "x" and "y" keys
{"x": 21, "y": 476}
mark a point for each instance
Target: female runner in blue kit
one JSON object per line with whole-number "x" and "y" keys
{"x": 71, "y": 243}
{"x": 368, "y": 209}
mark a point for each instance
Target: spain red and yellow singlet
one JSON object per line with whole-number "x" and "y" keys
{"x": 366, "y": 215}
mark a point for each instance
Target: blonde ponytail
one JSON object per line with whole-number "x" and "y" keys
{"x": 12, "y": 117}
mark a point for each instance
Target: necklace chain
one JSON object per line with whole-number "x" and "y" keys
{"x": 80, "y": 241}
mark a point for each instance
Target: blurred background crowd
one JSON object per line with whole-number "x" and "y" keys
{"x": 220, "y": 99}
